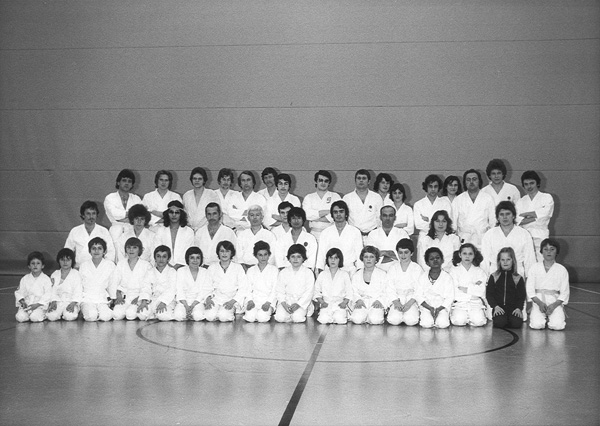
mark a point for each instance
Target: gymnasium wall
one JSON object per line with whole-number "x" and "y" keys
{"x": 408, "y": 87}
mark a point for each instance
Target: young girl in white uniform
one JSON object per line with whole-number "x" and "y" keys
{"x": 262, "y": 280}
{"x": 194, "y": 286}
{"x": 67, "y": 291}
{"x": 98, "y": 283}
{"x": 295, "y": 288}
{"x": 401, "y": 285}
{"x": 333, "y": 290}
{"x": 469, "y": 288}
{"x": 368, "y": 288}
{"x": 34, "y": 291}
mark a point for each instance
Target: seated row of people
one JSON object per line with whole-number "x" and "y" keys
{"x": 406, "y": 293}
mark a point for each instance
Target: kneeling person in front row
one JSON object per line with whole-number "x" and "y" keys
{"x": 368, "y": 287}
{"x": 97, "y": 282}
{"x": 333, "y": 289}
{"x": 66, "y": 288}
{"x": 402, "y": 281}
{"x": 435, "y": 292}
{"x": 295, "y": 287}
{"x": 194, "y": 286}
{"x": 262, "y": 280}
{"x": 506, "y": 291}
{"x": 164, "y": 286}
{"x": 34, "y": 291}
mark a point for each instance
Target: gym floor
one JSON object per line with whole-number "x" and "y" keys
{"x": 150, "y": 373}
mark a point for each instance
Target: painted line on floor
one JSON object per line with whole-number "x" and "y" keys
{"x": 569, "y": 307}
{"x": 295, "y": 399}
{"x": 8, "y": 328}
{"x": 583, "y": 289}
{"x": 583, "y": 303}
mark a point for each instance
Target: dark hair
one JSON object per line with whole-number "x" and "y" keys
{"x": 162, "y": 248}
{"x": 212, "y": 205}
{"x": 431, "y": 179}
{"x": 370, "y": 249}
{"x": 65, "y": 253}
{"x": 125, "y": 173}
{"x": 477, "y": 259}
{"x": 249, "y": 173}
{"x": 284, "y": 205}
{"x": 341, "y": 204}
{"x": 227, "y": 245}
{"x": 296, "y": 249}
{"x": 363, "y": 172}
{"x": 284, "y": 177}
{"x": 296, "y": 212}
{"x": 449, "y": 229}
{"x": 338, "y": 253}
{"x": 163, "y": 172}
{"x": 323, "y": 173}
{"x": 139, "y": 210}
{"x": 261, "y": 245}
{"x": 433, "y": 250}
{"x": 91, "y": 205}
{"x": 35, "y": 255}
{"x": 193, "y": 250}
{"x": 496, "y": 164}
{"x": 97, "y": 240}
{"x": 478, "y": 177}
{"x": 379, "y": 178}
{"x": 398, "y": 186}
{"x": 225, "y": 172}
{"x": 199, "y": 171}
{"x": 183, "y": 219}
{"x": 134, "y": 242}
{"x": 550, "y": 242}
{"x": 531, "y": 175}
{"x": 506, "y": 205}
{"x": 448, "y": 181}
{"x": 268, "y": 171}
{"x": 405, "y": 243}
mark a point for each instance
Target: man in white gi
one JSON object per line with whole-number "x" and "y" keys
{"x": 342, "y": 235}
{"x": 507, "y": 234}
{"x": 241, "y": 201}
{"x": 386, "y": 237}
{"x": 535, "y": 209}
{"x": 318, "y": 204}
{"x": 211, "y": 234}
{"x": 284, "y": 181}
{"x": 474, "y": 210}
{"x": 297, "y": 235}
{"x": 284, "y": 227}
{"x": 268, "y": 176}
{"x": 498, "y": 188}
{"x": 363, "y": 203}
{"x": 157, "y": 201}
{"x": 246, "y": 238}
{"x": 117, "y": 204}
{"x": 80, "y": 236}
{"x": 428, "y": 205}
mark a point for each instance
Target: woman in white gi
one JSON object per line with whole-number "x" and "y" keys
{"x": 435, "y": 292}
{"x": 175, "y": 233}
{"x": 382, "y": 185}
{"x": 368, "y": 288}
{"x": 67, "y": 291}
{"x": 262, "y": 280}
{"x": 195, "y": 200}
{"x": 404, "y": 213}
{"x": 34, "y": 291}
{"x": 318, "y": 204}
{"x": 194, "y": 286}
{"x": 452, "y": 188}
{"x": 139, "y": 218}
{"x": 158, "y": 200}
{"x": 425, "y": 208}
{"x": 441, "y": 234}
{"x": 333, "y": 290}
{"x": 401, "y": 285}
{"x": 469, "y": 287}
{"x": 506, "y": 292}
{"x": 548, "y": 289}
{"x": 98, "y": 283}
{"x": 118, "y": 203}
{"x": 164, "y": 287}
{"x": 535, "y": 210}
{"x": 295, "y": 288}
{"x": 132, "y": 277}
{"x": 229, "y": 283}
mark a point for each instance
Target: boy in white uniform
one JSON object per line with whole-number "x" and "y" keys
{"x": 295, "y": 288}
{"x": 67, "y": 291}
{"x": 401, "y": 284}
{"x": 194, "y": 285}
{"x": 262, "y": 280}
{"x": 333, "y": 290}
{"x": 34, "y": 291}
{"x": 98, "y": 283}
{"x": 164, "y": 287}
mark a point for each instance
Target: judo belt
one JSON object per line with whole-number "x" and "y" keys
{"x": 545, "y": 293}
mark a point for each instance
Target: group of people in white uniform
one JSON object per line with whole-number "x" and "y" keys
{"x": 482, "y": 254}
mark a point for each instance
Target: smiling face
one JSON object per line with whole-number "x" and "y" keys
{"x": 530, "y": 187}
{"x": 224, "y": 254}
{"x": 397, "y": 196}
{"x": 452, "y": 187}
{"x": 195, "y": 260}
{"x": 404, "y": 255}
{"x": 440, "y": 224}
{"x": 133, "y": 252}
{"x": 97, "y": 251}
{"x": 322, "y": 183}
{"x": 384, "y": 186}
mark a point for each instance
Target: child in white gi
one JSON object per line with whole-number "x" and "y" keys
{"x": 548, "y": 289}
{"x": 97, "y": 283}
{"x": 435, "y": 292}
{"x": 469, "y": 287}
{"x": 132, "y": 279}
{"x": 230, "y": 285}
{"x": 368, "y": 288}
{"x": 164, "y": 287}
{"x": 34, "y": 291}
{"x": 67, "y": 291}
{"x": 333, "y": 289}
{"x": 295, "y": 288}
{"x": 194, "y": 286}
{"x": 401, "y": 284}
{"x": 262, "y": 280}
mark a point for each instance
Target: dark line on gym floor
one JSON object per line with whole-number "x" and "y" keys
{"x": 583, "y": 312}
{"x": 295, "y": 399}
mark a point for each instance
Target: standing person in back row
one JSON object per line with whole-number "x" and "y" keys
{"x": 363, "y": 203}
{"x": 498, "y": 188}
{"x": 318, "y": 204}
{"x": 428, "y": 205}
{"x": 473, "y": 212}
{"x": 239, "y": 206}
{"x": 157, "y": 201}
{"x": 117, "y": 204}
